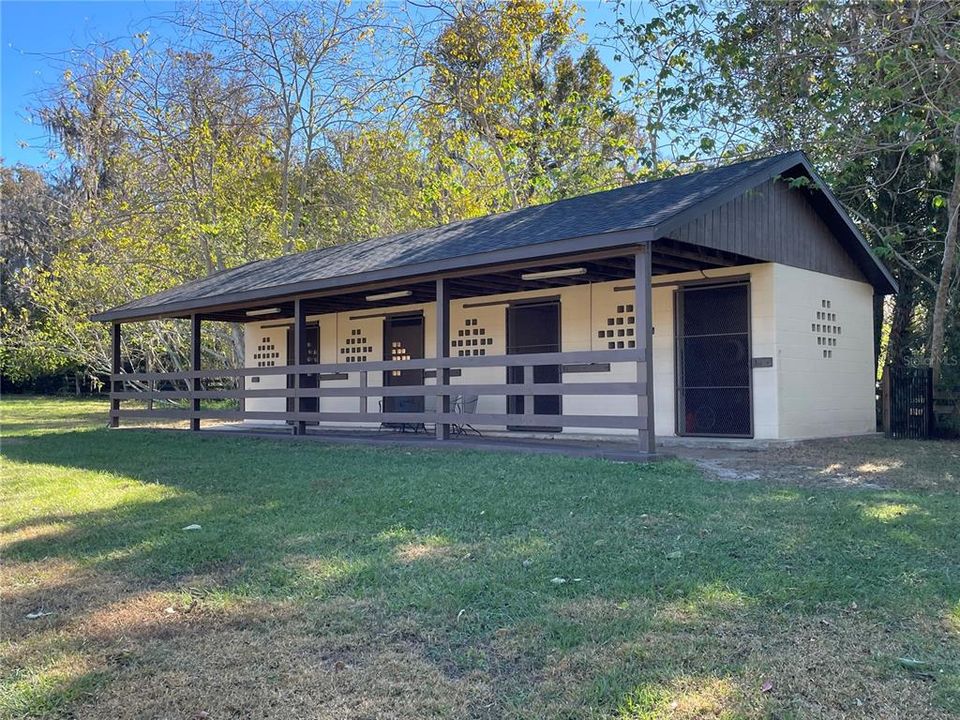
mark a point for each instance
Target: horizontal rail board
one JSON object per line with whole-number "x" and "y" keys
{"x": 560, "y": 358}
{"x": 513, "y": 420}
{"x": 607, "y": 388}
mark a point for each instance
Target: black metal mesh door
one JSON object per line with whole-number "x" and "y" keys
{"x": 534, "y": 327}
{"x": 713, "y": 361}
{"x": 313, "y": 358}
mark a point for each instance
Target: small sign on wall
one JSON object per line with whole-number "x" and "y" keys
{"x": 762, "y": 362}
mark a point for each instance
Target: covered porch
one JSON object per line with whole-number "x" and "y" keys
{"x": 445, "y": 352}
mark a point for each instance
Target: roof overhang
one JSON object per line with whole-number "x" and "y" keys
{"x": 459, "y": 266}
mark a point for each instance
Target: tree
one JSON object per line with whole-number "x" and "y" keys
{"x": 30, "y": 237}
{"x": 871, "y": 91}
{"x": 505, "y": 74}
{"x": 317, "y": 70}
{"x": 192, "y": 180}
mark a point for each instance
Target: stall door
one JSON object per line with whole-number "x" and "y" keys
{"x": 713, "y": 361}
{"x": 313, "y": 358}
{"x": 403, "y": 340}
{"x": 534, "y": 328}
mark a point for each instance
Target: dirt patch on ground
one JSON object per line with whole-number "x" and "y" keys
{"x": 116, "y": 648}
{"x": 863, "y": 462}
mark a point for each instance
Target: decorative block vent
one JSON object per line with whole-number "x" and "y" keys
{"x": 313, "y": 352}
{"x": 620, "y": 329}
{"x": 398, "y": 352}
{"x": 355, "y": 347}
{"x": 826, "y": 329}
{"x": 266, "y": 354}
{"x": 471, "y": 339}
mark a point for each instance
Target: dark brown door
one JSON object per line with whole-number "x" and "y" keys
{"x": 534, "y": 328}
{"x": 713, "y": 361}
{"x": 313, "y": 358}
{"x": 403, "y": 340}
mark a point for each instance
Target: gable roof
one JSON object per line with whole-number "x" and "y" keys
{"x": 623, "y": 216}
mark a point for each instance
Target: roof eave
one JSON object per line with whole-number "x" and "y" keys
{"x": 439, "y": 268}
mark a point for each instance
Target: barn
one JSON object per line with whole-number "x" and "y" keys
{"x": 735, "y": 302}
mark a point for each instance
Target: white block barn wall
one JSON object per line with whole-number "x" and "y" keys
{"x": 260, "y": 340}
{"x": 802, "y": 395}
{"x": 818, "y": 396}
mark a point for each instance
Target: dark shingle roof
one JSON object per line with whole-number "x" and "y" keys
{"x": 645, "y": 205}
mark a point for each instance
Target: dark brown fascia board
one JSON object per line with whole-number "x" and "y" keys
{"x": 880, "y": 278}
{"x": 461, "y": 266}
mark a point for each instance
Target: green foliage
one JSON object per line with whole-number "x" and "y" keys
{"x": 181, "y": 163}
{"x": 505, "y": 75}
{"x": 869, "y": 91}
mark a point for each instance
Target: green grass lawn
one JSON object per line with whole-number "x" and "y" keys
{"x": 374, "y": 582}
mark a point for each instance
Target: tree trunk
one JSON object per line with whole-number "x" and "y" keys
{"x": 948, "y": 268}
{"x": 900, "y": 321}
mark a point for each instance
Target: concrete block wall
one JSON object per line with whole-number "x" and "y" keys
{"x": 803, "y": 394}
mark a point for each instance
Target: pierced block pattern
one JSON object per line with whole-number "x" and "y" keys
{"x": 620, "y": 330}
{"x": 355, "y": 347}
{"x": 826, "y": 328}
{"x": 266, "y": 354}
{"x": 313, "y": 352}
{"x": 471, "y": 339}
{"x": 398, "y": 352}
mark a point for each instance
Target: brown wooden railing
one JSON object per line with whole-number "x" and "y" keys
{"x": 196, "y": 392}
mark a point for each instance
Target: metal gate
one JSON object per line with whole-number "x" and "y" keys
{"x": 907, "y": 395}
{"x": 713, "y": 360}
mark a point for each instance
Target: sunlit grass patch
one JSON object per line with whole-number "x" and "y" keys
{"x": 888, "y": 511}
{"x": 432, "y": 548}
{"x": 48, "y": 689}
{"x": 684, "y": 698}
{"x": 712, "y": 600}
{"x": 953, "y": 618}
{"x": 880, "y": 466}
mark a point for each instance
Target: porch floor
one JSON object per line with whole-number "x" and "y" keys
{"x": 607, "y": 448}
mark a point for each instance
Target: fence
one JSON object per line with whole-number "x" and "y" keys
{"x": 907, "y": 402}
{"x": 197, "y": 387}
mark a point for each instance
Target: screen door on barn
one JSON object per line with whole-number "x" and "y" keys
{"x": 713, "y": 361}
{"x": 533, "y": 327}
{"x": 403, "y": 340}
{"x": 313, "y": 357}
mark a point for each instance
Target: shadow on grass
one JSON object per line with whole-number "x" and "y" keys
{"x": 314, "y": 519}
{"x": 482, "y": 550}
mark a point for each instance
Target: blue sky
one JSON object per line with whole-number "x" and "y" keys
{"x": 37, "y": 36}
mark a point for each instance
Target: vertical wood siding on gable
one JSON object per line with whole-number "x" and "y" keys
{"x": 775, "y": 223}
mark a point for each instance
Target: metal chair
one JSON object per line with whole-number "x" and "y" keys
{"x": 409, "y": 404}
{"x": 465, "y": 405}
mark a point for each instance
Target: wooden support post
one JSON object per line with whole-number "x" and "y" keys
{"x": 299, "y": 358}
{"x": 643, "y": 307}
{"x": 115, "y": 385}
{"x": 363, "y": 387}
{"x": 529, "y": 401}
{"x": 443, "y": 351}
{"x": 195, "y": 366}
